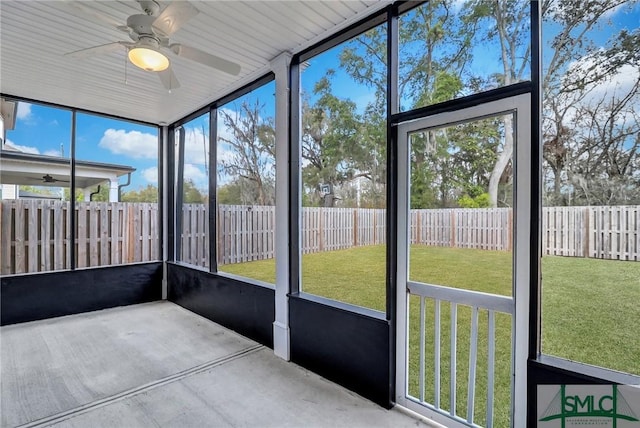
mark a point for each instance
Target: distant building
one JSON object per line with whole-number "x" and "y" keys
{"x": 27, "y": 169}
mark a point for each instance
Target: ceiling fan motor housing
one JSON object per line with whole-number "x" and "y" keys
{"x": 150, "y": 42}
{"x": 141, "y": 26}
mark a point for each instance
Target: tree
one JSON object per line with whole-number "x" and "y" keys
{"x": 251, "y": 145}
{"x": 589, "y": 122}
{"x": 330, "y": 140}
{"x": 504, "y": 25}
{"x": 434, "y": 49}
{"x": 41, "y": 190}
{"x": 436, "y": 44}
{"x": 603, "y": 155}
{"x": 143, "y": 194}
{"x": 241, "y": 191}
{"x": 191, "y": 194}
{"x": 230, "y": 194}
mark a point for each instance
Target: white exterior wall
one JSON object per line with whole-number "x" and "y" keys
{"x": 9, "y": 191}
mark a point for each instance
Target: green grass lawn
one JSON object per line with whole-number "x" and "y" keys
{"x": 590, "y": 309}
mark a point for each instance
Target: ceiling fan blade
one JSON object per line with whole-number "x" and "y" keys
{"x": 48, "y": 179}
{"x": 169, "y": 79}
{"x": 173, "y": 17}
{"x": 204, "y": 58}
{"x": 96, "y": 50}
{"x": 32, "y": 180}
{"x": 83, "y": 8}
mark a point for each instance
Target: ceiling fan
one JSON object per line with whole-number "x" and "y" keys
{"x": 150, "y": 32}
{"x": 49, "y": 179}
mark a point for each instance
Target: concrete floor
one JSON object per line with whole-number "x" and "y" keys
{"x": 158, "y": 364}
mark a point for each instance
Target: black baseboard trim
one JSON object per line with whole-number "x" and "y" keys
{"x": 31, "y": 297}
{"x": 248, "y": 309}
{"x": 346, "y": 347}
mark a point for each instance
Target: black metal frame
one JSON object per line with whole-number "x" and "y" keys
{"x": 179, "y": 191}
{"x": 295, "y": 119}
{"x": 171, "y": 193}
{"x": 72, "y": 195}
{"x": 77, "y": 109}
{"x": 536, "y": 162}
{"x": 161, "y": 147}
{"x": 385, "y": 17}
{"x": 393, "y": 106}
{"x": 72, "y": 165}
{"x": 212, "y": 110}
{"x": 213, "y": 184}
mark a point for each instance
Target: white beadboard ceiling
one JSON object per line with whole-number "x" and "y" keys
{"x": 35, "y": 35}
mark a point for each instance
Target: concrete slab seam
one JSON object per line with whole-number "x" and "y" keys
{"x": 68, "y": 414}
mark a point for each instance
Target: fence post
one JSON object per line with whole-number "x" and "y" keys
{"x": 355, "y": 227}
{"x": 375, "y": 227}
{"x": 452, "y": 229}
{"x": 218, "y": 235}
{"x": 320, "y": 228}
{"x": 131, "y": 235}
{"x": 19, "y": 239}
{"x": 585, "y": 233}
{"x": 5, "y": 236}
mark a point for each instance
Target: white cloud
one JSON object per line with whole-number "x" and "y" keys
{"x": 610, "y": 87}
{"x": 456, "y": 5}
{"x": 196, "y": 146}
{"x": 24, "y": 111}
{"x": 23, "y": 149}
{"x": 225, "y": 153}
{"x": 556, "y": 8}
{"x": 598, "y": 97}
{"x": 195, "y": 174}
{"x": 134, "y": 144}
{"x": 191, "y": 172}
{"x": 150, "y": 174}
{"x": 52, "y": 152}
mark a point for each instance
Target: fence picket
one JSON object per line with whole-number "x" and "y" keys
{"x": 34, "y": 234}
{"x": 45, "y": 236}
{"x": 81, "y": 235}
{"x": 116, "y": 233}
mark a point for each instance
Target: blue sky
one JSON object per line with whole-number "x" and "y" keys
{"x": 47, "y": 130}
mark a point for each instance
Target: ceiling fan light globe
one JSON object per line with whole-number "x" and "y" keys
{"x": 148, "y": 59}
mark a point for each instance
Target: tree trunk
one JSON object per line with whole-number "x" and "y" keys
{"x": 503, "y": 160}
{"x": 505, "y": 155}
